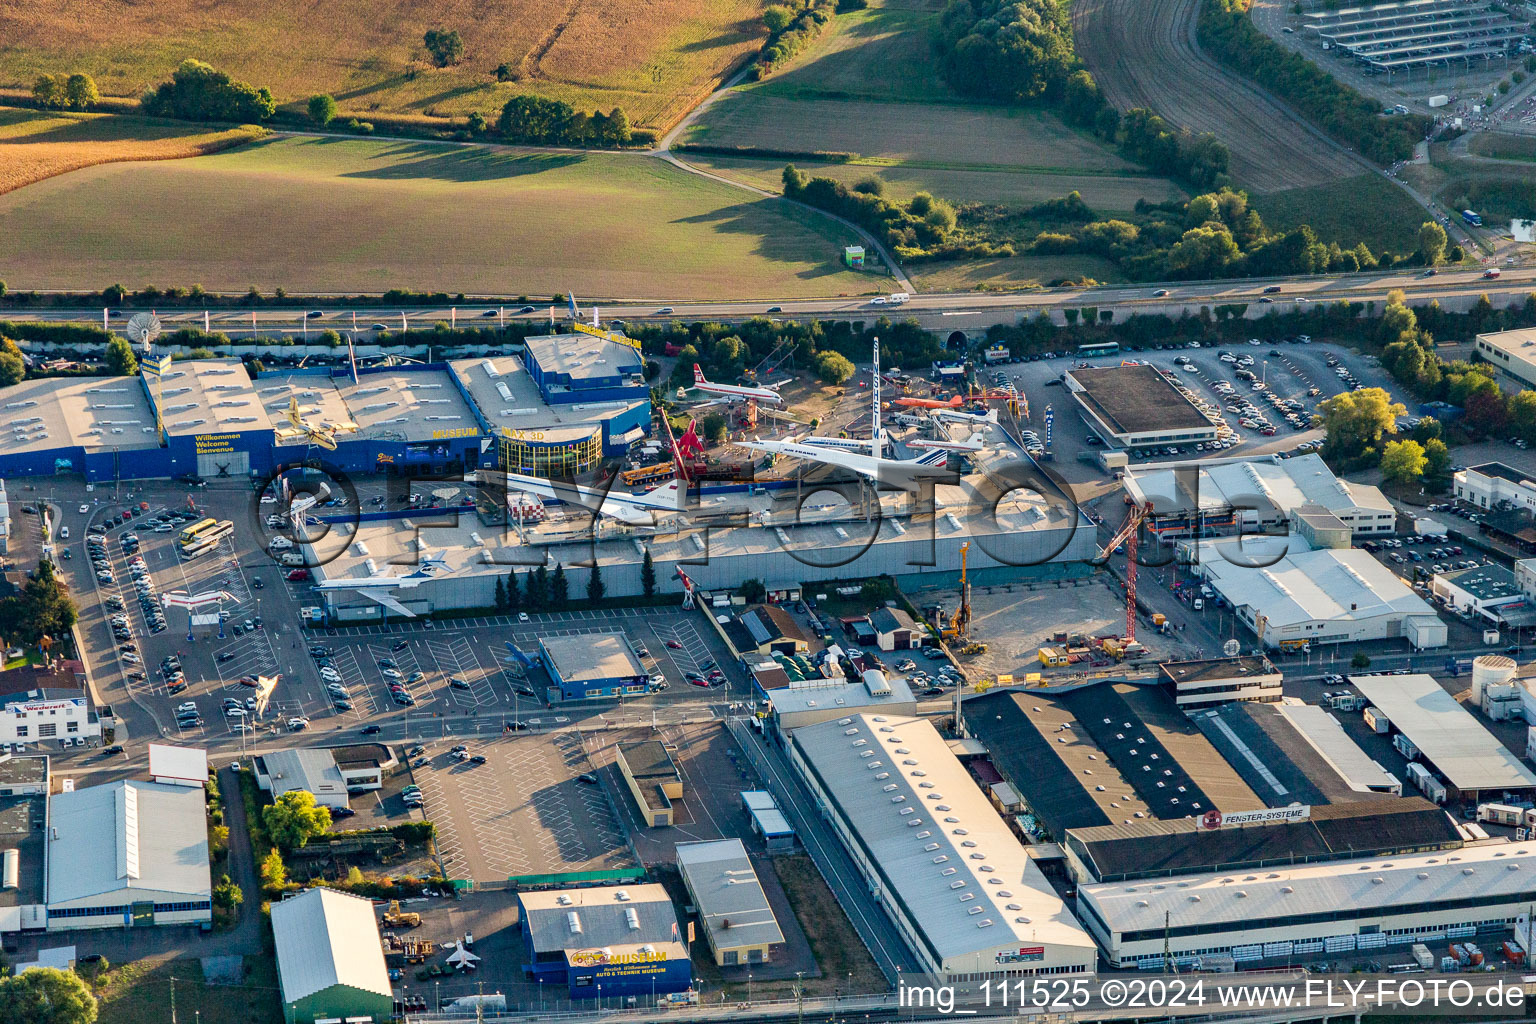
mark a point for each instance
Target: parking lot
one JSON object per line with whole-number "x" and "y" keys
{"x": 524, "y": 811}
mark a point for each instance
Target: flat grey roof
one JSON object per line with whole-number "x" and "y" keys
{"x": 23, "y": 770}
{"x": 127, "y": 836}
{"x": 820, "y": 694}
{"x": 1135, "y": 399}
{"x": 1213, "y": 669}
{"x": 586, "y": 918}
{"x": 308, "y": 768}
{"x": 522, "y": 407}
{"x": 592, "y": 656}
{"x": 879, "y": 772}
{"x": 64, "y": 412}
{"x": 1484, "y": 582}
{"x": 207, "y": 396}
{"x": 1455, "y": 743}
{"x": 730, "y": 898}
{"x": 21, "y": 829}
{"x": 583, "y": 355}
{"x": 406, "y": 405}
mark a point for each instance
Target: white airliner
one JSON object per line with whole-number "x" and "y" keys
{"x": 975, "y": 443}
{"x": 904, "y": 473}
{"x": 735, "y": 392}
{"x": 379, "y": 585}
{"x": 633, "y": 509}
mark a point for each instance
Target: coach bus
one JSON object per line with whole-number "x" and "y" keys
{"x": 207, "y": 539}
{"x": 197, "y": 529}
{"x": 1474, "y": 219}
{"x": 1102, "y": 348}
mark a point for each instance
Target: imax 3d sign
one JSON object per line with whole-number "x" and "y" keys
{"x": 1268, "y": 816}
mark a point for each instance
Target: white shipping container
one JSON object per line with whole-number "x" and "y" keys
{"x": 1438, "y": 101}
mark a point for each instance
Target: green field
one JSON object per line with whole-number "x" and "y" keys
{"x": 879, "y": 53}
{"x": 1014, "y": 273}
{"x": 140, "y": 992}
{"x": 1107, "y": 193}
{"x": 1503, "y": 147}
{"x": 331, "y": 215}
{"x": 1367, "y": 209}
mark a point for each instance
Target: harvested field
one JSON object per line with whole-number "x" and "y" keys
{"x": 1106, "y": 193}
{"x": 1377, "y": 213}
{"x": 332, "y": 215}
{"x": 655, "y": 58}
{"x": 1144, "y": 55}
{"x": 945, "y": 135}
{"x": 1022, "y": 273}
{"x": 35, "y": 145}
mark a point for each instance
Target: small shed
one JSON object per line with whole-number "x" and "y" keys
{"x": 895, "y": 630}
{"x": 853, "y": 255}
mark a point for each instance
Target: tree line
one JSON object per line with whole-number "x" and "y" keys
{"x": 792, "y": 29}
{"x": 921, "y": 226}
{"x": 1227, "y": 31}
{"x": 1021, "y": 51}
{"x": 540, "y": 121}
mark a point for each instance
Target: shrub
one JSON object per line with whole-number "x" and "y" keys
{"x": 322, "y": 109}
{"x": 198, "y": 92}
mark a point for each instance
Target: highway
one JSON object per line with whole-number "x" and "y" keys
{"x": 1455, "y": 289}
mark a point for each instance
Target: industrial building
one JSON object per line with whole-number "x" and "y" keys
{"x": 1488, "y": 592}
{"x": 558, "y": 408}
{"x": 1319, "y": 909}
{"x": 23, "y": 854}
{"x": 960, "y": 888}
{"x": 315, "y": 771}
{"x": 1512, "y": 353}
{"x": 1490, "y": 484}
{"x": 330, "y": 963}
{"x": 1289, "y": 752}
{"x": 1255, "y": 495}
{"x": 1439, "y": 734}
{"x": 652, "y": 778}
{"x": 1163, "y": 849}
{"x": 1395, "y": 37}
{"x": 128, "y": 855}
{"x": 1103, "y": 753}
{"x": 766, "y": 629}
{"x": 739, "y": 925}
{"x": 605, "y": 941}
{"x": 1208, "y": 681}
{"x": 1307, "y": 597}
{"x": 1134, "y": 405}
{"x": 793, "y": 703}
{"x": 591, "y": 666}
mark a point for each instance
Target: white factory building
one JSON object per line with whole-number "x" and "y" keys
{"x": 1511, "y": 352}
{"x": 127, "y": 855}
{"x": 1321, "y": 909}
{"x": 1254, "y": 495}
{"x": 958, "y": 885}
{"x": 1307, "y": 596}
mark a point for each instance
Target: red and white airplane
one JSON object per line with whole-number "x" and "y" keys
{"x": 734, "y": 392}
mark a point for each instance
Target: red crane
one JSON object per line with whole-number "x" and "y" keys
{"x": 1127, "y": 536}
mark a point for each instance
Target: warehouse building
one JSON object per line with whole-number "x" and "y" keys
{"x": 605, "y": 941}
{"x": 1438, "y": 731}
{"x": 1310, "y": 597}
{"x": 330, "y": 962}
{"x": 1488, "y": 592}
{"x": 1162, "y": 849}
{"x": 1292, "y": 753}
{"x": 652, "y": 778}
{"x": 1320, "y": 909}
{"x": 1134, "y": 405}
{"x": 1209, "y": 681}
{"x": 1102, "y": 753}
{"x": 971, "y": 904}
{"x": 212, "y": 420}
{"x": 128, "y": 855}
{"x": 1255, "y": 495}
{"x": 591, "y": 666}
{"x": 100, "y": 427}
{"x": 795, "y": 703}
{"x": 738, "y": 922}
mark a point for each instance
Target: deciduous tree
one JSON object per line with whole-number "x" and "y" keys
{"x": 294, "y": 819}
{"x": 1403, "y": 461}
{"x": 444, "y": 47}
{"x": 322, "y": 109}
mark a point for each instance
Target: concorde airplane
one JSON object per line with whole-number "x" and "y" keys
{"x": 975, "y": 443}
{"x": 735, "y": 392}
{"x": 632, "y": 509}
{"x": 907, "y": 474}
{"x": 379, "y": 585}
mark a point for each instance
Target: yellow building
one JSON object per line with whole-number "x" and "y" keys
{"x": 653, "y": 780}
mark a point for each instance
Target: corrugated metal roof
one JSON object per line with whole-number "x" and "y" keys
{"x": 1459, "y": 747}
{"x": 1215, "y": 899}
{"x": 962, "y": 876}
{"x": 127, "y": 835}
{"x": 327, "y": 938}
{"x": 730, "y": 898}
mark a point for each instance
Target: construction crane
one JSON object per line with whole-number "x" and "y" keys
{"x": 960, "y": 622}
{"x": 1127, "y": 536}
